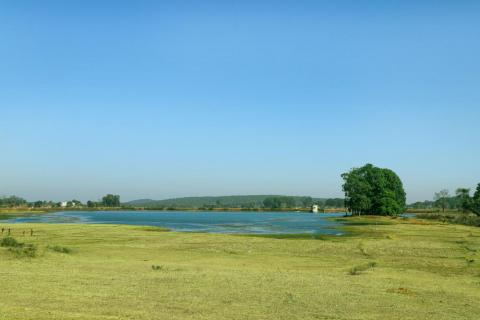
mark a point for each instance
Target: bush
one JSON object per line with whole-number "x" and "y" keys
{"x": 359, "y": 269}
{"x": 157, "y": 268}
{"x": 19, "y": 249}
{"x": 458, "y": 218}
{"x": 466, "y": 219}
{"x": 28, "y": 251}
{"x": 60, "y": 249}
{"x": 11, "y": 242}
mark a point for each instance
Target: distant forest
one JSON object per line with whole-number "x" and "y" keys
{"x": 241, "y": 202}
{"x": 244, "y": 202}
{"x": 449, "y": 202}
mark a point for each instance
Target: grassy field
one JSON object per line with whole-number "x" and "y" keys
{"x": 392, "y": 269}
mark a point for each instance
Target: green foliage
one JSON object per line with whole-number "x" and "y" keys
{"x": 111, "y": 200}
{"x": 466, "y": 202}
{"x": 60, "y": 249}
{"x": 25, "y": 251}
{"x": 288, "y": 236}
{"x": 422, "y": 205}
{"x": 441, "y": 199}
{"x": 306, "y": 202}
{"x": 354, "y": 271}
{"x": 12, "y": 201}
{"x": 373, "y": 190}
{"x": 467, "y": 219}
{"x": 44, "y": 204}
{"x": 449, "y": 202}
{"x": 38, "y": 204}
{"x": 19, "y": 249}
{"x": 74, "y": 203}
{"x": 476, "y": 201}
{"x": 10, "y": 242}
{"x": 279, "y": 202}
{"x": 335, "y": 203}
{"x": 462, "y": 200}
{"x": 251, "y": 202}
{"x": 157, "y": 268}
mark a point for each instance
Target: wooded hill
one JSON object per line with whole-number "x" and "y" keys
{"x": 247, "y": 201}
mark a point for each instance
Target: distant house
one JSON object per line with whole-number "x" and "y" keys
{"x": 314, "y": 208}
{"x": 63, "y": 204}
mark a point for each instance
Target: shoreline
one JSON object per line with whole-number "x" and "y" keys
{"x": 21, "y": 211}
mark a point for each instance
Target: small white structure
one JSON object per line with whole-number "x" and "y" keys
{"x": 63, "y": 204}
{"x": 315, "y": 208}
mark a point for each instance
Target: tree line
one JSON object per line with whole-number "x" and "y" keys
{"x": 283, "y": 202}
{"x": 368, "y": 190}
{"x": 112, "y": 200}
{"x": 461, "y": 200}
{"x": 109, "y": 200}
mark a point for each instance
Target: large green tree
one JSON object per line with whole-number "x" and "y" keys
{"x": 373, "y": 190}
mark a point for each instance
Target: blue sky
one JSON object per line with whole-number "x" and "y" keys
{"x": 152, "y": 99}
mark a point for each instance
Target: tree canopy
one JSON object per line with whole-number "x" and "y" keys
{"x": 111, "y": 200}
{"x": 12, "y": 201}
{"x": 476, "y": 201}
{"x": 441, "y": 198}
{"x": 467, "y": 203}
{"x": 463, "y": 195}
{"x": 279, "y": 202}
{"x": 373, "y": 190}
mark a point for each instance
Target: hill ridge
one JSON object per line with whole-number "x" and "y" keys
{"x": 227, "y": 201}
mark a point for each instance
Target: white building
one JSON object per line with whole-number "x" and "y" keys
{"x": 315, "y": 208}
{"x": 63, "y": 204}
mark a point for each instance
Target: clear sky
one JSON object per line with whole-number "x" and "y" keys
{"x": 158, "y": 99}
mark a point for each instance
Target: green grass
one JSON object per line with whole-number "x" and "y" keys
{"x": 400, "y": 269}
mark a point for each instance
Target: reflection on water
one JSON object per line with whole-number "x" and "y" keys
{"x": 215, "y": 222}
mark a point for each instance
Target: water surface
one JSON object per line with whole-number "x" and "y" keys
{"x": 214, "y": 222}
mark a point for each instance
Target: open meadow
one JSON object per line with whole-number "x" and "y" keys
{"x": 385, "y": 269}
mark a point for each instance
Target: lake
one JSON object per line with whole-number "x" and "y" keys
{"x": 214, "y": 222}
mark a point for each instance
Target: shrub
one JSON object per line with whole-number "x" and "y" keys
{"x": 359, "y": 269}
{"x": 469, "y": 260}
{"x": 28, "y": 251}
{"x": 19, "y": 249}
{"x": 466, "y": 219}
{"x": 458, "y": 218}
{"x": 11, "y": 242}
{"x": 60, "y": 249}
{"x": 157, "y": 268}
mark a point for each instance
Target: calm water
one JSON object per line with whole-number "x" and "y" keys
{"x": 216, "y": 222}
